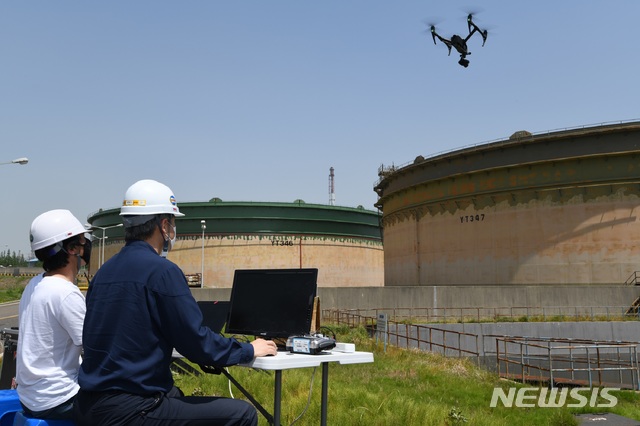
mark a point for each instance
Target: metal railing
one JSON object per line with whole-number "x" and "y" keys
{"x": 434, "y": 339}
{"x": 634, "y": 279}
{"x": 568, "y": 361}
{"x": 529, "y": 359}
{"x": 389, "y": 170}
{"x": 480, "y": 314}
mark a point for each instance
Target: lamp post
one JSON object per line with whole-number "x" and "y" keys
{"x": 104, "y": 229}
{"x": 99, "y": 248}
{"x": 22, "y": 161}
{"x": 203, "y": 224}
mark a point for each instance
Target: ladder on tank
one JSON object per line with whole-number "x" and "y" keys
{"x": 634, "y": 310}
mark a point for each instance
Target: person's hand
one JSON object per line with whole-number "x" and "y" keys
{"x": 262, "y": 347}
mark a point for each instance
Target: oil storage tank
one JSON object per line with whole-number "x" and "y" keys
{"x": 217, "y": 237}
{"x": 556, "y": 208}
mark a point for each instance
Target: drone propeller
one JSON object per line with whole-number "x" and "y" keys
{"x": 473, "y": 26}
{"x": 431, "y": 28}
{"x": 473, "y": 11}
{"x": 471, "y": 15}
{"x": 431, "y": 25}
{"x": 433, "y": 33}
{"x": 432, "y": 21}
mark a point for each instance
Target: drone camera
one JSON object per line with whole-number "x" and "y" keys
{"x": 464, "y": 62}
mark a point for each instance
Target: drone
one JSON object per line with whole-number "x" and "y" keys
{"x": 459, "y": 43}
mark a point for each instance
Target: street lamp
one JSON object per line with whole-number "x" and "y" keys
{"x": 203, "y": 223}
{"x": 22, "y": 161}
{"x": 99, "y": 247}
{"x": 104, "y": 229}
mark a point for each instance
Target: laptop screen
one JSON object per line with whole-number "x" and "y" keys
{"x": 272, "y": 303}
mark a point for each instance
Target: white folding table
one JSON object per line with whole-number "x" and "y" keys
{"x": 286, "y": 361}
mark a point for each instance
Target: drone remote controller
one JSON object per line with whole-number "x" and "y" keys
{"x": 310, "y": 345}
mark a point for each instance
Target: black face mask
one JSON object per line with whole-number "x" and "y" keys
{"x": 86, "y": 254}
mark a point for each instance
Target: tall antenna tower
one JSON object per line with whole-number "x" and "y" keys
{"x": 332, "y": 193}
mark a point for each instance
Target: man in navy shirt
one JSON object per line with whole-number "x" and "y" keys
{"x": 139, "y": 308}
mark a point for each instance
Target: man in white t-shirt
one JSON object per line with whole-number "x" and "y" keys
{"x": 51, "y": 316}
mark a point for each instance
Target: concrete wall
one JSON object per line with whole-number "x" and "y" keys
{"x": 463, "y": 296}
{"x": 23, "y": 270}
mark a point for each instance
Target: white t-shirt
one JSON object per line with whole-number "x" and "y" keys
{"x": 51, "y": 315}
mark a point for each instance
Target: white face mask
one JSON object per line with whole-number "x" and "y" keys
{"x": 172, "y": 241}
{"x": 169, "y": 243}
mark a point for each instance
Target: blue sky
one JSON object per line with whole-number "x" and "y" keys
{"x": 256, "y": 100}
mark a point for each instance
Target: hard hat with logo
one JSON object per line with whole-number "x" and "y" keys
{"x": 148, "y": 197}
{"x": 53, "y": 227}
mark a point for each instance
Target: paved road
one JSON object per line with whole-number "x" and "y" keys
{"x": 8, "y": 315}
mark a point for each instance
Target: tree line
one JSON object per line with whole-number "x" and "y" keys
{"x": 11, "y": 258}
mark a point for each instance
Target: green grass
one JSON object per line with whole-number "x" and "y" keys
{"x": 407, "y": 387}
{"x": 11, "y": 288}
{"x": 401, "y": 387}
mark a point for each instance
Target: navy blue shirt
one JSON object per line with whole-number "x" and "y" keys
{"x": 139, "y": 308}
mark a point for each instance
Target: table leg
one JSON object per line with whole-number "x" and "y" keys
{"x": 277, "y": 398}
{"x": 259, "y": 407}
{"x": 325, "y": 393}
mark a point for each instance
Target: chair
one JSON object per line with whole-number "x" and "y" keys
{"x": 9, "y": 405}
{"x": 21, "y": 419}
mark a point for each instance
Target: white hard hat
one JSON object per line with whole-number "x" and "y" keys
{"x": 52, "y": 227}
{"x": 149, "y": 197}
